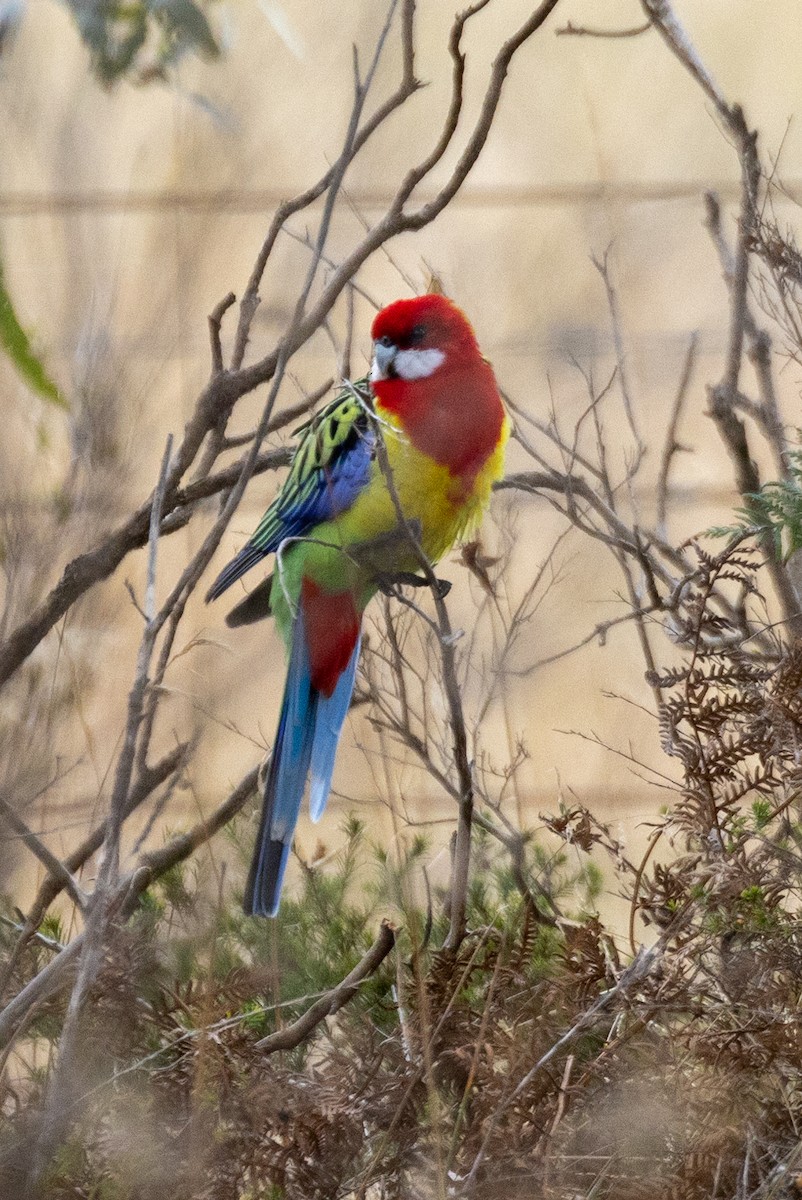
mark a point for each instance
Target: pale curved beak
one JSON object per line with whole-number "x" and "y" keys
{"x": 383, "y": 359}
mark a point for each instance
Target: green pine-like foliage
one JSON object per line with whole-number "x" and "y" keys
{"x": 775, "y": 512}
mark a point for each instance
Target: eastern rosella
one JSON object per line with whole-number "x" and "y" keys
{"x": 334, "y": 529}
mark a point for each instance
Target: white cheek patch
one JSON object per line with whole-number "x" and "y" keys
{"x": 417, "y": 364}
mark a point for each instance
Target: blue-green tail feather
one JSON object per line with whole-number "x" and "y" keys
{"x": 286, "y": 778}
{"x": 309, "y": 730}
{"x": 329, "y": 718}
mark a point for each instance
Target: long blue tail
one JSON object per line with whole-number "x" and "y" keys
{"x": 308, "y": 732}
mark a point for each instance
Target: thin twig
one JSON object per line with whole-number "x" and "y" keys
{"x": 643, "y": 963}
{"x": 724, "y": 396}
{"x": 100, "y": 911}
{"x": 146, "y": 782}
{"x": 661, "y": 14}
{"x": 215, "y": 323}
{"x": 671, "y": 446}
{"x": 603, "y": 267}
{"x": 458, "y": 892}
{"x": 49, "y": 860}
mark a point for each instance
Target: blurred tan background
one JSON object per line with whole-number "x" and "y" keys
{"x": 126, "y": 215}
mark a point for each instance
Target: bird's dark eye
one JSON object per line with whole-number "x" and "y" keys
{"x": 417, "y": 334}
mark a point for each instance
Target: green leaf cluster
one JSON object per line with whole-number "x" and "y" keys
{"x": 774, "y": 512}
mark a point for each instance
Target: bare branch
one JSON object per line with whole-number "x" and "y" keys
{"x": 407, "y": 86}
{"x": 215, "y": 322}
{"x": 48, "y": 859}
{"x": 53, "y": 977}
{"x": 585, "y": 31}
{"x": 83, "y": 572}
{"x": 661, "y": 14}
{"x": 148, "y": 779}
{"x": 332, "y": 1001}
{"x": 767, "y": 412}
{"x": 396, "y": 221}
{"x": 156, "y": 862}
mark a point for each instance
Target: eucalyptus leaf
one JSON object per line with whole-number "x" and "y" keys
{"x": 17, "y": 346}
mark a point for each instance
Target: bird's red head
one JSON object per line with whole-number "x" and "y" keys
{"x": 428, "y": 372}
{"x": 414, "y": 338}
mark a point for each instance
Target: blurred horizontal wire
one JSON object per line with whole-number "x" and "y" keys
{"x": 245, "y": 200}
{"x": 681, "y": 494}
{"x": 567, "y": 343}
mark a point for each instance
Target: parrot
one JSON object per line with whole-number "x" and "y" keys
{"x": 344, "y": 526}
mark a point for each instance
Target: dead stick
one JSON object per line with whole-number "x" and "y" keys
{"x": 333, "y": 1000}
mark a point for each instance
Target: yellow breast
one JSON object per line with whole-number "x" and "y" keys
{"x": 444, "y": 507}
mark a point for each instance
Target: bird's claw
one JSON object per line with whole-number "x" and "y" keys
{"x": 388, "y": 583}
